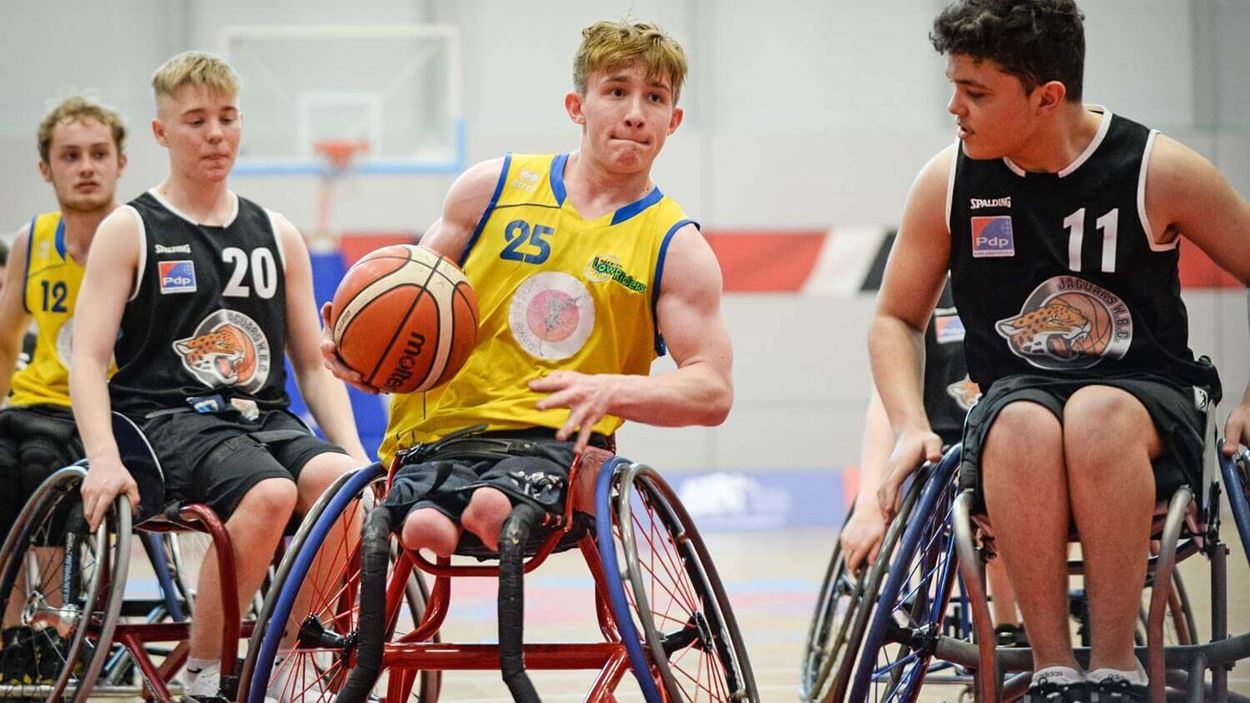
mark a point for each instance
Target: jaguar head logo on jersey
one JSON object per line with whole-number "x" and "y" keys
{"x": 1068, "y": 323}
{"x": 965, "y": 392}
{"x": 176, "y": 276}
{"x": 227, "y": 349}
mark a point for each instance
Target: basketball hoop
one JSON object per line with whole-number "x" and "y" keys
{"x": 338, "y": 155}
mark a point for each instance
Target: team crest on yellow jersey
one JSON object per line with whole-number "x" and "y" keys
{"x": 551, "y": 315}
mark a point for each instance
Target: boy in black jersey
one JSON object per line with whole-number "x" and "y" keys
{"x": 1059, "y": 224}
{"x": 209, "y": 293}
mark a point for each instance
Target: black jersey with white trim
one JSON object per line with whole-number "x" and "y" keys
{"x": 1058, "y": 273}
{"x": 208, "y": 316}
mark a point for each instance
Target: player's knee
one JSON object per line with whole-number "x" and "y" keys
{"x": 1023, "y": 426}
{"x": 273, "y": 498}
{"x": 488, "y": 508}
{"x": 427, "y": 528}
{"x": 1102, "y": 416}
{"x": 321, "y": 471}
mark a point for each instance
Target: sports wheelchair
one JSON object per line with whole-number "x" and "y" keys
{"x": 914, "y": 618}
{"x": 659, "y": 603}
{"x": 73, "y": 584}
{"x": 846, "y": 603}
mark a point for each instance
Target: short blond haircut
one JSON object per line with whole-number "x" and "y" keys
{"x": 610, "y": 45}
{"x": 197, "y": 68}
{"x": 78, "y": 108}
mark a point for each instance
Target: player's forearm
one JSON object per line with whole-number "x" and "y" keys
{"x": 327, "y": 398}
{"x": 89, "y": 394}
{"x": 8, "y": 363}
{"x": 897, "y": 354}
{"x": 874, "y": 454}
{"x": 695, "y": 394}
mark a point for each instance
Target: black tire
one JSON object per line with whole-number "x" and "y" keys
{"x": 85, "y": 572}
{"x": 693, "y": 644}
{"x": 337, "y": 587}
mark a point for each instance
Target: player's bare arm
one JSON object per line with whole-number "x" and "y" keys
{"x": 1186, "y": 196}
{"x": 463, "y": 207}
{"x": 107, "y": 284}
{"x": 861, "y": 537}
{"x": 325, "y": 395}
{"x": 909, "y": 291}
{"x": 699, "y": 392}
{"x": 13, "y": 317}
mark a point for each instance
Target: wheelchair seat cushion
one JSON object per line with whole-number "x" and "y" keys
{"x": 1178, "y": 413}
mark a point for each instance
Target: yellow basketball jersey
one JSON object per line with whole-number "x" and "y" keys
{"x": 52, "y": 281}
{"x": 555, "y": 292}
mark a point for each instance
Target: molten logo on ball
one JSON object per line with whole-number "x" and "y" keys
{"x": 407, "y": 360}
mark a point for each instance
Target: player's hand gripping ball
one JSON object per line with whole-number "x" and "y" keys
{"x": 405, "y": 318}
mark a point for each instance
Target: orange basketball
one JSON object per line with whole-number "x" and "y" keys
{"x": 405, "y": 319}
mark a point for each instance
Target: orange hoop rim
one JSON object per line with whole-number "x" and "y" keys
{"x": 339, "y": 153}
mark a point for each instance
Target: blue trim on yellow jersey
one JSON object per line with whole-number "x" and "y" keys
{"x": 30, "y": 245}
{"x": 637, "y": 206}
{"x": 660, "y": 349}
{"x": 557, "y": 178}
{"x": 490, "y": 207}
{"x": 59, "y": 238}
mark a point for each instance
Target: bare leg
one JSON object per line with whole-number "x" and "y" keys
{"x": 254, "y": 529}
{"x": 1003, "y": 607}
{"x": 488, "y": 508}
{"x": 1026, "y": 495}
{"x": 427, "y": 528}
{"x": 1108, "y": 445}
{"x": 325, "y": 577}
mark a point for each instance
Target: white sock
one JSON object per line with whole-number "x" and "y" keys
{"x": 195, "y": 666}
{"x": 1137, "y": 676}
{"x": 1059, "y": 675}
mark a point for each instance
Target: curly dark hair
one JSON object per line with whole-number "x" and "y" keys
{"x": 1036, "y": 41}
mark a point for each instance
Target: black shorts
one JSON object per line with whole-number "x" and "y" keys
{"x": 35, "y": 441}
{"x": 540, "y": 477}
{"x": 216, "y": 458}
{"x": 1178, "y": 413}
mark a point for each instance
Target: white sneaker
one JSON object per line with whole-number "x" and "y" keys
{"x": 203, "y": 684}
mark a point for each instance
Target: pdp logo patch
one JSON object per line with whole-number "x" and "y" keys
{"x": 176, "y": 276}
{"x": 992, "y": 237}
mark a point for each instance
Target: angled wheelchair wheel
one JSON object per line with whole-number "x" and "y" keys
{"x": 67, "y": 583}
{"x": 665, "y": 594}
{"x": 829, "y": 644}
{"x": 842, "y": 615}
{"x": 912, "y": 609}
{"x": 1236, "y": 475}
{"x": 323, "y": 650}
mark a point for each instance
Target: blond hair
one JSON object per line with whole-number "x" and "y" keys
{"x": 608, "y": 45}
{"x": 78, "y": 108}
{"x": 197, "y": 68}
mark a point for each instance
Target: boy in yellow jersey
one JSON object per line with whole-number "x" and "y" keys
{"x": 580, "y": 264}
{"x": 81, "y": 155}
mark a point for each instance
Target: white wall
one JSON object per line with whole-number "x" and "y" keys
{"x": 800, "y": 113}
